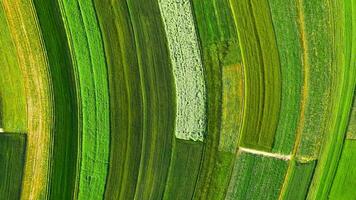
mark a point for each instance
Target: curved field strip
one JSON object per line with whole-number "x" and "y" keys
{"x": 87, "y": 54}
{"x": 221, "y": 61}
{"x": 285, "y": 22}
{"x": 344, "y": 82}
{"x": 65, "y": 132}
{"x": 158, "y": 98}
{"x": 12, "y": 91}
{"x": 345, "y": 174}
{"x": 190, "y": 123}
{"x": 187, "y": 69}
{"x": 38, "y": 89}
{"x": 262, "y": 73}
{"x": 126, "y": 99}
{"x": 146, "y": 106}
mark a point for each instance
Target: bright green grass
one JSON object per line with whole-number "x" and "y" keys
{"x": 345, "y": 178}
{"x": 346, "y": 174}
{"x": 88, "y": 56}
{"x": 13, "y": 116}
{"x": 12, "y": 160}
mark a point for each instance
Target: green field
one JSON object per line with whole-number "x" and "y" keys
{"x": 177, "y": 99}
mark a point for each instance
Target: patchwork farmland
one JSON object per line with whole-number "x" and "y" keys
{"x": 178, "y": 99}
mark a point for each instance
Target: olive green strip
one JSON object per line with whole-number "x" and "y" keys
{"x": 158, "y": 94}
{"x": 126, "y": 101}
{"x": 262, "y": 73}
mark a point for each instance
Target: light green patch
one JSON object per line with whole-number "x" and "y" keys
{"x": 187, "y": 69}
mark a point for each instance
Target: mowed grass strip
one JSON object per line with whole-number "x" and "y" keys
{"x": 65, "y": 132}
{"x": 126, "y": 98}
{"x": 88, "y": 55}
{"x": 32, "y": 58}
{"x": 256, "y": 177}
{"x": 13, "y": 116}
{"x": 158, "y": 94}
{"x": 262, "y": 73}
{"x": 12, "y": 161}
{"x": 187, "y": 69}
{"x": 220, "y": 50}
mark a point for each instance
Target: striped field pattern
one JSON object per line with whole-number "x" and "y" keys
{"x": 178, "y": 99}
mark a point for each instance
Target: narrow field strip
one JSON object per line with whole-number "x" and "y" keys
{"x": 262, "y": 73}
{"x": 232, "y": 107}
{"x": 126, "y": 99}
{"x": 343, "y": 79}
{"x": 285, "y": 23}
{"x": 32, "y": 58}
{"x": 220, "y": 52}
{"x": 87, "y": 52}
{"x": 62, "y": 183}
{"x": 158, "y": 94}
{"x": 187, "y": 69}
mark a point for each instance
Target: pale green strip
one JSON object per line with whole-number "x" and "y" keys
{"x": 187, "y": 69}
